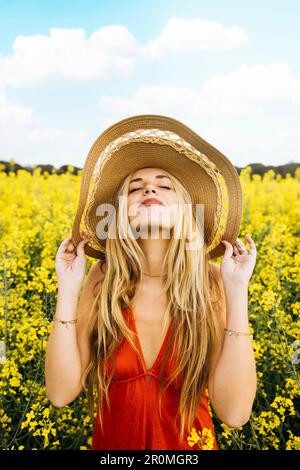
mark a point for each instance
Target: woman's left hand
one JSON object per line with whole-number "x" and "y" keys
{"x": 237, "y": 263}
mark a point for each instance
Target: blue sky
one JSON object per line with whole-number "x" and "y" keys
{"x": 227, "y": 69}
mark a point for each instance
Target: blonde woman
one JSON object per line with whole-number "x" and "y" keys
{"x": 158, "y": 329}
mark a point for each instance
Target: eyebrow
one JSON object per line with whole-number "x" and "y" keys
{"x": 157, "y": 176}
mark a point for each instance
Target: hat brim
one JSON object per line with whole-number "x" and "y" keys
{"x": 209, "y": 178}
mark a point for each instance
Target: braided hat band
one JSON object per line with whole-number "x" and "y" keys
{"x": 159, "y": 141}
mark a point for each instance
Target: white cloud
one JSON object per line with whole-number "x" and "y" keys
{"x": 253, "y": 84}
{"x": 42, "y": 146}
{"x": 243, "y": 92}
{"x": 219, "y": 110}
{"x": 13, "y": 114}
{"x": 174, "y": 101}
{"x": 270, "y": 148}
{"x": 54, "y": 135}
{"x": 22, "y": 140}
{"x": 69, "y": 54}
{"x": 111, "y": 51}
{"x": 150, "y": 99}
{"x": 182, "y": 35}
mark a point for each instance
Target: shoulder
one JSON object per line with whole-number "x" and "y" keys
{"x": 98, "y": 269}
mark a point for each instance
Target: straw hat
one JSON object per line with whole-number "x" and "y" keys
{"x": 159, "y": 141}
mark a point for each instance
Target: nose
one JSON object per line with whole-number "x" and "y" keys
{"x": 147, "y": 190}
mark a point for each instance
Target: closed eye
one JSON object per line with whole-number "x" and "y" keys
{"x": 135, "y": 189}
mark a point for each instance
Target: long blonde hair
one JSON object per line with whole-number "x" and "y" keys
{"x": 190, "y": 287}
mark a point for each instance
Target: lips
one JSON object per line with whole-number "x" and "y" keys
{"x": 151, "y": 201}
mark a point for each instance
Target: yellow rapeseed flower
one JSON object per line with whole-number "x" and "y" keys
{"x": 204, "y": 438}
{"x": 38, "y": 210}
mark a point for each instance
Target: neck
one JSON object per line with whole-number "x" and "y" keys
{"x": 150, "y": 275}
{"x": 154, "y": 250}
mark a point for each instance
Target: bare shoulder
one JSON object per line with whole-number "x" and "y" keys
{"x": 96, "y": 273}
{"x": 93, "y": 279}
{"x": 98, "y": 269}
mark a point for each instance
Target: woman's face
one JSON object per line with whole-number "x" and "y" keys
{"x": 149, "y": 183}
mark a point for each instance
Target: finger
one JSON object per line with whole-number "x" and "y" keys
{"x": 81, "y": 245}
{"x": 70, "y": 247}
{"x": 252, "y": 249}
{"x": 235, "y": 250}
{"x": 241, "y": 246}
{"x": 228, "y": 249}
{"x": 68, "y": 256}
{"x": 235, "y": 253}
{"x": 66, "y": 243}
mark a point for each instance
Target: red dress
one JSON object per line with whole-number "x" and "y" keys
{"x": 134, "y": 422}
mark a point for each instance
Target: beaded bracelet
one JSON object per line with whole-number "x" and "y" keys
{"x": 65, "y": 322}
{"x": 237, "y": 333}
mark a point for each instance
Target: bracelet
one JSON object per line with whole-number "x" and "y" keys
{"x": 237, "y": 333}
{"x": 65, "y": 322}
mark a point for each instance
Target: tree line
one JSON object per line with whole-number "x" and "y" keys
{"x": 256, "y": 168}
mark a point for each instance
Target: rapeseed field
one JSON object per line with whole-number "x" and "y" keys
{"x": 36, "y": 214}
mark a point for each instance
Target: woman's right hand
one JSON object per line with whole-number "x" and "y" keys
{"x": 70, "y": 267}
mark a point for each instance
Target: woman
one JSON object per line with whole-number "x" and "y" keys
{"x": 151, "y": 322}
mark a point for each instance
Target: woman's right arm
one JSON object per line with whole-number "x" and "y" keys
{"x": 67, "y": 351}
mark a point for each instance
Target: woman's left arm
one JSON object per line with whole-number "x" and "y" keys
{"x": 234, "y": 381}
